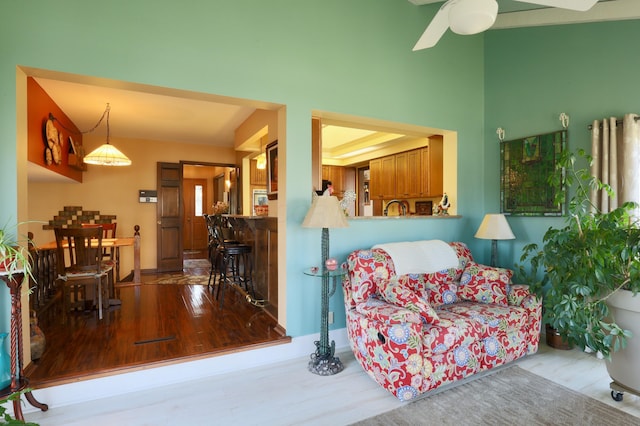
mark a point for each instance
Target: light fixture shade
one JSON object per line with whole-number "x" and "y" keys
{"x": 107, "y": 155}
{"x": 472, "y": 16}
{"x": 261, "y": 161}
{"x": 325, "y": 212}
{"x": 495, "y": 227}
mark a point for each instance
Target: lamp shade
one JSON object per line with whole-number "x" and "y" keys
{"x": 325, "y": 212}
{"x": 107, "y": 155}
{"x": 261, "y": 161}
{"x": 495, "y": 227}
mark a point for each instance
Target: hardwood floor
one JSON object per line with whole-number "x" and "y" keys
{"x": 155, "y": 323}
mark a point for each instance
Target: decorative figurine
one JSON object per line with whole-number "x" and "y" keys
{"x": 444, "y": 205}
{"x": 331, "y": 264}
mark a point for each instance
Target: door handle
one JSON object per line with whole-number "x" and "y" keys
{"x": 159, "y": 222}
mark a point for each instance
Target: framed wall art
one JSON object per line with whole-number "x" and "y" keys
{"x": 525, "y": 167}
{"x": 272, "y": 170}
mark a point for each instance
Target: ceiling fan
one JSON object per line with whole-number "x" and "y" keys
{"x": 474, "y": 16}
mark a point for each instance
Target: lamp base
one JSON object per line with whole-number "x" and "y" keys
{"x": 325, "y": 366}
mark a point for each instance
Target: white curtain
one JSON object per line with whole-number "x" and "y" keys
{"x": 615, "y": 148}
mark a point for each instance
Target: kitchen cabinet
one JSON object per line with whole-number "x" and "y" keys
{"x": 410, "y": 174}
{"x": 432, "y": 169}
{"x": 335, "y": 174}
{"x": 383, "y": 178}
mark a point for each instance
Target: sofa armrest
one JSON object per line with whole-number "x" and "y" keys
{"x": 517, "y": 294}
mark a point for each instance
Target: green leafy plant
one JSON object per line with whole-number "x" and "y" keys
{"x": 580, "y": 265}
{"x": 14, "y": 255}
{"x": 5, "y": 417}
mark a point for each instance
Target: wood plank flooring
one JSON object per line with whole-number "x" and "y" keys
{"x": 155, "y": 324}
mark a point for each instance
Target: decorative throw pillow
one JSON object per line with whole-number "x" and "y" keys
{"x": 484, "y": 284}
{"x": 441, "y": 288}
{"x": 396, "y": 290}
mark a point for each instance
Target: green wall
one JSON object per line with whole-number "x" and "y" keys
{"x": 352, "y": 57}
{"x": 587, "y": 71}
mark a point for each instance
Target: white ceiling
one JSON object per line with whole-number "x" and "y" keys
{"x": 142, "y": 115}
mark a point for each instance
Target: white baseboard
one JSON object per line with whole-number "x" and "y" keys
{"x": 104, "y": 387}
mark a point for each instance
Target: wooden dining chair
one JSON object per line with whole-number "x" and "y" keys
{"x": 109, "y": 231}
{"x": 79, "y": 265}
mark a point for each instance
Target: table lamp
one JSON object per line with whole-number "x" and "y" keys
{"x": 325, "y": 213}
{"x": 494, "y": 227}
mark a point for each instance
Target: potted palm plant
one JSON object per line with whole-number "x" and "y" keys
{"x": 591, "y": 261}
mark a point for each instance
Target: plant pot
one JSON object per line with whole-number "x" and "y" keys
{"x": 555, "y": 340}
{"x": 624, "y": 368}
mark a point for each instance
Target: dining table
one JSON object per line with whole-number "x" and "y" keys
{"x": 44, "y": 266}
{"x": 111, "y": 243}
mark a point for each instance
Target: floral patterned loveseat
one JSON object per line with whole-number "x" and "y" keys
{"x": 416, "y": 331}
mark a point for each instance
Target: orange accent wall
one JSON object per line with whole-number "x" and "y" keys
{"x": 39, "y": 105}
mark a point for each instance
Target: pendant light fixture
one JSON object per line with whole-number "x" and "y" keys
{"x": 261, "y": 159}
{"x": 107, "y": 154}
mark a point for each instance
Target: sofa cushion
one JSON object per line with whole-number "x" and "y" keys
{"x": 450, "y": 332}
{"x": 492, "y": 319}
{"x": 484, "y": 284}
{"x": 398, "y": 290}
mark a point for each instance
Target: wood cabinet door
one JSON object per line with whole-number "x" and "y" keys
{"x": 388, "y": 177}
{"x": 425, "y": 178}
{"x": 414, "y": 174}
{"x": 432, "y": 169}
{"x": 375, "y": 179}
{"x": 335, "y": 174}
{"x": 402, "y": 176}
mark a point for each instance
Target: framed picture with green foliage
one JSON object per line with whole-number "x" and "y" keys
{"x": 526, "y": 165}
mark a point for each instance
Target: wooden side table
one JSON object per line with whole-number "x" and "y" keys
{"x": 18, "y": 381}
{"x": 323, "y": 361}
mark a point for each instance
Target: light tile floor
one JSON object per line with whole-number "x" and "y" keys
{"x": 287, "y": 394}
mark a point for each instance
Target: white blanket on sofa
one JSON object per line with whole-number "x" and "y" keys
{"x": 420, "y": 257}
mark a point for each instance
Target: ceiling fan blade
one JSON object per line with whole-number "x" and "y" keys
{"x": 437, "y": 27}
{"x": 579, "y": 5}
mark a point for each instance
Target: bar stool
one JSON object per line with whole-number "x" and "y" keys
{"x": 235, "y": 268}
{"x": 233, "y": 262}
{"x": 215, "y": 231}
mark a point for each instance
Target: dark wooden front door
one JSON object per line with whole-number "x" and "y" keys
{"x": 169, "y": 217}
{"x": 194, "y": 233}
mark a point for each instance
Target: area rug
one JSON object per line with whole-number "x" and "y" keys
{"x": 179, "y": 278}
{"x": 512, "y": 396}
{"x": 196, "y": 272}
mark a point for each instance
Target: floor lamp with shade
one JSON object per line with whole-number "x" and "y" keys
{"x": 325, "y": 213}
{"x": 494, "y": 227}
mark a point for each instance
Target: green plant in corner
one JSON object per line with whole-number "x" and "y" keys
{"x": 583, "y": 263}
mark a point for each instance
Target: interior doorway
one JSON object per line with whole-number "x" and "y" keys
{"x": 203, "y": 185}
